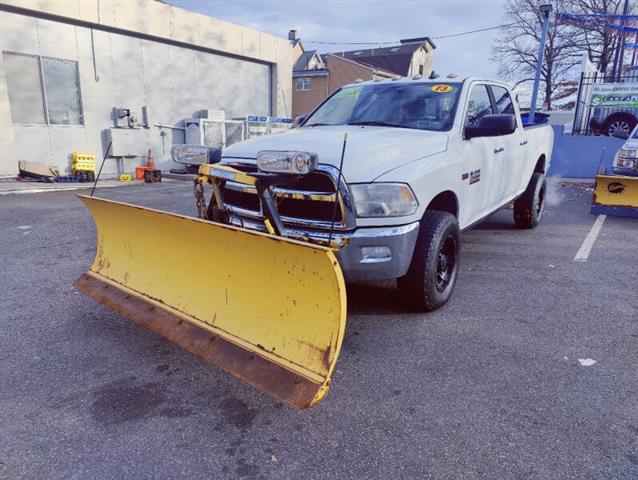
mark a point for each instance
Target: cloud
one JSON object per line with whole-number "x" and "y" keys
{"x": 376, "y": 21}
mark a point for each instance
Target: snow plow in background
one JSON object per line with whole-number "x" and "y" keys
{"x": 616, "y": 188}
{"x": 268, "y": 309}
{"x": 615, "y": 195}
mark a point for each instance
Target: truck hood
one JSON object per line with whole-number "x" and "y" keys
{"x": 632, "y": 143}
{"x": 371, "y": 151}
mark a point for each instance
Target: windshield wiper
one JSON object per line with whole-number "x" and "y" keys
{"x": 321, "y": 125}
{"x": 377, "y": 123}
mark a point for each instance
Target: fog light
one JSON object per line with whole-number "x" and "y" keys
{"x": 375, "y": 254}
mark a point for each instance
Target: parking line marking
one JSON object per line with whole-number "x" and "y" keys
{"x": 588, "y": 243}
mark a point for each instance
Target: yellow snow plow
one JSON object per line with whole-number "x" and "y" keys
{"x": 616, "y": 195}
{"x": 268, "y": 309}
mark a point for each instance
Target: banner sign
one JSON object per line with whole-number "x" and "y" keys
{"x": 614, "y": 95}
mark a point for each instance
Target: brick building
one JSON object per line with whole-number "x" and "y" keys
{"x": 316, "y": 76}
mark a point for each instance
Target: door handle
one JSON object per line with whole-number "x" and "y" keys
{"x": 499, "y": 150}
{"x": 524, "y": 142}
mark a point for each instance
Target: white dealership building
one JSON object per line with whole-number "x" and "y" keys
{"x": 68, "y": 68}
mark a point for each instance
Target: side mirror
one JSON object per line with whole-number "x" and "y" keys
{"x": 622, "y": 134}
{"x": 299, "y": 119}
{"x": 492, "y": 126}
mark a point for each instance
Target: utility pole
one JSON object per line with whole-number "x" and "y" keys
{"x": 546, "y": 9}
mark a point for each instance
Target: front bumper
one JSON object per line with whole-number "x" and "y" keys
{"x": 391, "y": 259}
{"x": 631, "y": 172}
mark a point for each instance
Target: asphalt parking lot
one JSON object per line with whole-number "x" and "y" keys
{"x": 531, "y": 370}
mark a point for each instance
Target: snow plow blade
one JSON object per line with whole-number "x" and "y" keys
{"x": 269, "y": 310}
{"x": 616, "y": 195}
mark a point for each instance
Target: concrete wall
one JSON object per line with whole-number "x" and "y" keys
{"x": 147, "y": 54}
{"x": 578, "y": 156}
{"x": 8, "y": 165}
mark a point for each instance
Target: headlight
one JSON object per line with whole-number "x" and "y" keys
{"x": 190, "y": 154}
{"x": 297, "y": 163}
{"x": 384, "y": 200}
{"x": 626, "y": 157}
{"x": 628, "y": 153}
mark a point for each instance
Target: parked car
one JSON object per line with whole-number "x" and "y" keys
{"x": 425, "y": 159}
{"x": 609, "y": 121}
{"x": 612, "y": 120}
{"x": 626, "y": 159}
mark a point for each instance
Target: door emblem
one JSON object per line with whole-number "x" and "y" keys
{"x": 475, "y": 176}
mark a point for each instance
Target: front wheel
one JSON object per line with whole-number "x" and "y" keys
{"x": 432, "y": 274}
{"x": 528, "y": 208}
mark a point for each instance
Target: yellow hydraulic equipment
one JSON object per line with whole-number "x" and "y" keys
{"x": 616, "y": 195}
{"x": 268, "y": 309}
{"x": 82, "y": 162}
{"x": 83, "y": 166}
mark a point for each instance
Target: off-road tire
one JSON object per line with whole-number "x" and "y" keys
{"x": 423, "y": 286}
{"x": 529, "y": 207}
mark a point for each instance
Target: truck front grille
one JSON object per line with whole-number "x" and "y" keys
{"x": 311, "y": 201}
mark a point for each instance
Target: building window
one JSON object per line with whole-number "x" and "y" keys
{"x": 303, "y": 84}
{"x": 43, "y": 90}
{"x": 421, "y": 69}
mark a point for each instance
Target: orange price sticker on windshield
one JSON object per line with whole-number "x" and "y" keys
{"x": 442, "y": 88}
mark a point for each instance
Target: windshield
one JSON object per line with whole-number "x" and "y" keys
{"x": 635, "y": 134}
{"x": 423, "y": 106}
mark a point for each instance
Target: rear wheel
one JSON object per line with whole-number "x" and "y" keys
{"x": 529, "y": 207}
{"x": 432, "y": 274}
{"x": 619, "y": 123}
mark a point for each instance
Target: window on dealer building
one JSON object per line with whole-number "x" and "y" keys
{"x": 304, "y": 84}
{"x": 43, "y": 90}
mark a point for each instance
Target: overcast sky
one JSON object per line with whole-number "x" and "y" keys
{"x": 373, "y": 21}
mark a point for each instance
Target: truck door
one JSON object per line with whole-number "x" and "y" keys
{"x": 514, "y": 147}
{"x": 481, "y": 174}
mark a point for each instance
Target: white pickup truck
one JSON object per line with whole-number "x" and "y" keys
{"x": 424, "y": 160}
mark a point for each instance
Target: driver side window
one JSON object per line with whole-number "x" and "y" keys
{"x": 478, "y": 105}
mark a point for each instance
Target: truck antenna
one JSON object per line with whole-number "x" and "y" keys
{"x": 106, "y": 154}
{"x": 338, "y": 190}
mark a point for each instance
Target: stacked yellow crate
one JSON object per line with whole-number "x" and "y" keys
{"x": 83, "y": 166}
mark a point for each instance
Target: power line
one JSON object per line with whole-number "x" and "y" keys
{"x": 475, "y": 31}
{"x": 398, "y": 41}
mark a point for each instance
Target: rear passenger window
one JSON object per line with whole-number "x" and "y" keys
{"x": 503, "y": 100}
{"x": 478, "y": 106}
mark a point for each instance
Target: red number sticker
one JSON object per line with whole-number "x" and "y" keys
{"x": 442, "y": 88}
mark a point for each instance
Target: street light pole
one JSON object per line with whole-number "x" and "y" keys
{"x": 545, "y": 10}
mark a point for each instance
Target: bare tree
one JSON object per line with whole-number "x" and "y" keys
{"x": 516, "y": 50}
{"x": 594, "y": 36}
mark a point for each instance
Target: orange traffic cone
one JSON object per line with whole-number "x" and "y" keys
{"x": 150, "y": 163}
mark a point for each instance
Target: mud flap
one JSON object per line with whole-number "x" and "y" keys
{"x": 270, "y": 311}
{"x": 616, "y": 195}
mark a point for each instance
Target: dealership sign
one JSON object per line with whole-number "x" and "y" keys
{"x": 614, "y": 95}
